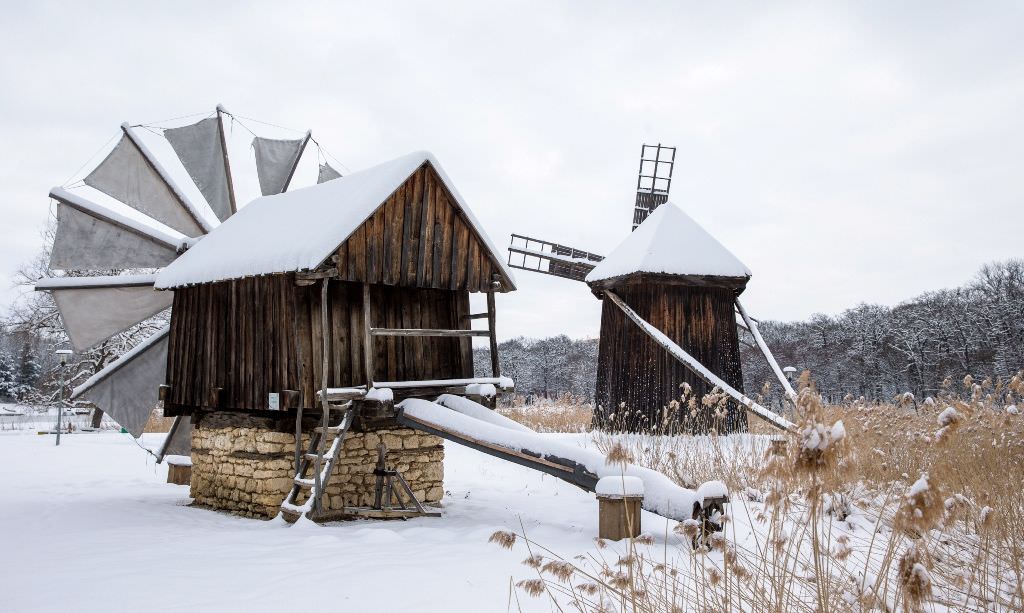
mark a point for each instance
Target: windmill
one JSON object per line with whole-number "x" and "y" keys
{"x": 134, "y": 213}
{"x": 670, "y": 295}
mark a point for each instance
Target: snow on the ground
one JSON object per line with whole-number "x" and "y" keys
{"x": 92, "y": 526}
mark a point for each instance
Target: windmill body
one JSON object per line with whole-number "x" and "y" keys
{"x": 670, "y": 300}
{"x": 681, "y": 280}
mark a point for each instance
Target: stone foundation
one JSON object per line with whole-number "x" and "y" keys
{"x": 248, "y": 470}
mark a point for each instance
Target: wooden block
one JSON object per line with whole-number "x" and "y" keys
{"x": 179, "y": 474}
{"x": 618, "y": 517}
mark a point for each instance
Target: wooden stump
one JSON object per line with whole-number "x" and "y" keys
{"x": 618, "y": 500}
{"x": 179, "y": 472}
{"x": 618, "y": 517}
{"x": 777, "y": 446}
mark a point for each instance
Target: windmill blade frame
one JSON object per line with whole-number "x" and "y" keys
{"x": 549, "y": 258}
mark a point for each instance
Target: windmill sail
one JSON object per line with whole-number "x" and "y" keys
{"x": 533, "y": 254}
{"x": 276, "y": 161}
{"x": 95, "y": 308}
{"x": 327, "y": 173}
{"x": 653, "y": 181}
{"x": 132, "y": 176}
{"x": 128, "y": 388}
{"x": 87, "y": 231}
{"x": 201, "y": 152}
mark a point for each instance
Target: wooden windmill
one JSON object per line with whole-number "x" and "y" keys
{"x": 670, "y": 295}
{"x": 155, "y": 195}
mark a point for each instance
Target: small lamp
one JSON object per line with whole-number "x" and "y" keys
{"x": 62, "y": 355}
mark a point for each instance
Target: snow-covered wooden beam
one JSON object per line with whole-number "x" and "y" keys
{"x": 99, "y": 282}
{"x": 699, "y": 369}
{"x": 751, "y": 326}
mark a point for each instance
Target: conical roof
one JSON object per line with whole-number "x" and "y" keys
{"x": 669, "y": 242}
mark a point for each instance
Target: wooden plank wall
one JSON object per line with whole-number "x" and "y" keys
{"x": 259, "y": 335}
{"x": 233, "y": 335}
{"x": 419, "y": 238}
{"x": 634, "y": 370}
{"x": 395, "y": 359}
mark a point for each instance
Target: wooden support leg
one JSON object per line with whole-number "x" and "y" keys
{"x": 491, "y": 316}
{"x": 367, "y": 337}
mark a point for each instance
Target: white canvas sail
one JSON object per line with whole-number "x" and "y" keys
{"x": 86, "y": 239}
{"x": 128, "y": 389}
{"x": 327, "y": 173}
{"x": 127, "y": 176}
{"x": 95, "y": 308}
{"x": 201, "y": 152}
{"x": 276, "y": 161}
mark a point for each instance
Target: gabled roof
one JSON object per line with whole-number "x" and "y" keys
{"x": 299, "y": 229}
{"x": 669, "y": 242}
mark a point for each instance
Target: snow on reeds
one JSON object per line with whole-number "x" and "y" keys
{"x": 905, "y": 506}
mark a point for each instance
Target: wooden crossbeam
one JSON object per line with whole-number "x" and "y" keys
{"x": 425, "y": 332}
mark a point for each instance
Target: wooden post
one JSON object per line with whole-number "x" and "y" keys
{"x": 618, "y": 517}
{"x": 318, "y": 491}
{"x": 227, "y": 162}
{"x": 495, "y": 366}
{"x": 367, "y": 338}
{"x": 619, "y": 499}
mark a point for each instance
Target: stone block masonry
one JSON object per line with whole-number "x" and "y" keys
{"x": 248, "y": 470}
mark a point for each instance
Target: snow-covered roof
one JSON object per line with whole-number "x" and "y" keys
{"x": 669, "y": 242}
{"x": 299, "y": 229}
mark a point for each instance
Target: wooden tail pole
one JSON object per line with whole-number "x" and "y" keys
{"x": 699, "y": 369}
{"x": 167, "y": 441}
{"x": 752, "y": 327}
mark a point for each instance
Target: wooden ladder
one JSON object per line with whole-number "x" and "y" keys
{"x": 321, "y": 459}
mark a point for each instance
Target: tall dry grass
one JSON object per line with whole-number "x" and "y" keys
{"x": 913, "y": 505}
{"x": 567, "y": 413}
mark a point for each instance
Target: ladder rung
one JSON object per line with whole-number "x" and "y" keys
{"x": 330, "y": 429}
{"x": 313, "y": 456}
{"x": 301, "y": 482}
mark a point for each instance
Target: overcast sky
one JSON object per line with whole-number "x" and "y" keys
{"x": 857, "y": 153}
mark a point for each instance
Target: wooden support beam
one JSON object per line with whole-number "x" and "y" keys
{"x": 425, "y": 332}
{"x": 491, "y": 316}
{"x": 367, "y": 337}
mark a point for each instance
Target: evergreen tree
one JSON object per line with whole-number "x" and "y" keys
{"x": 28, "y": 372}
{"x": 7, "y": 377}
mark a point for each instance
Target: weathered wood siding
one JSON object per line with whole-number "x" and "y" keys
{"x": 634, "y": 370}
{"x": 420, "y": 238}
{"x": 259, "y": 335}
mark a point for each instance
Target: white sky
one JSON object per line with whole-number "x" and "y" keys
{"x": 865, "y": 153}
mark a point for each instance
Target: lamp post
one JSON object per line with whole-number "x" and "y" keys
{"x": 62, "y": 355}
{"x": 790, "y": 372}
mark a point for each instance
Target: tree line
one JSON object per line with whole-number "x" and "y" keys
{"x": 869, "y": 350}
{"x": 878, "y": 352}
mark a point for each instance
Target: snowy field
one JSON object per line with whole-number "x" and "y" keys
{"x": 92, "y": 526}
